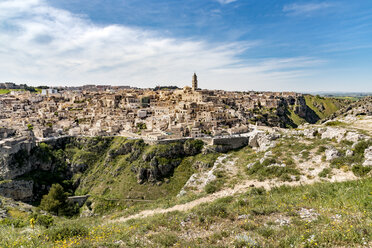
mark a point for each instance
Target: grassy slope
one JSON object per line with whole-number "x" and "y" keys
{"x": 4, "y": 91}
{"x": 7, "y": 91}
{"x": 340, "y": 217}
{"x": 342, "y": 211}
{"x": 295, "y": 118}
{"x": 111, "y": 183}
{"x": 331, "y": 105}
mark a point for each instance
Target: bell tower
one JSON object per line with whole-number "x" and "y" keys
{"x": 194, "y": 82}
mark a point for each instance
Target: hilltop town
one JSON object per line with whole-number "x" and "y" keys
{"x": 151, "y": 114}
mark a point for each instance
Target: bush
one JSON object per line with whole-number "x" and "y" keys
{"x": 326, "y": 172}
{"x": 66, "y": 232}
{"x": 360, "y": 170}
{"x": 16, "y": 223}
{"x": 193, "y": 147}
{"x": 43, "y": 220}
{"x": 361, "y": 146}
{"x": 334, "y": 123}
{"x": 217, "y": 184}
{"x": 210, "y": 188}
{"x": 321, "y": 149}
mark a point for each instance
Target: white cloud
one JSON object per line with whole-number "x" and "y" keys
{"x": 41, "y": 44}
{"x": 297, "y": 8}
{"x": 226, "y": 1}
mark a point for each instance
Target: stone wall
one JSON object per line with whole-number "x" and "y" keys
{"x": 231, "y": 142}
{"x": 165, "y": 141}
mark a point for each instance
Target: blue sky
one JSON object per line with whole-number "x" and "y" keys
{"x": 232, "y": 45}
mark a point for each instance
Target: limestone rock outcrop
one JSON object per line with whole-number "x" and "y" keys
{"x": 368, "y": 156}
{"x": 13, "y": 157}
{"x": 21, "y": 190}
{"x": 332, "y": 153}
{"x": 262, "y": 140}
{"x": 333, "y": 133}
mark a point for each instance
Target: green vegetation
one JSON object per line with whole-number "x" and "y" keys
{"x": 270, "y": 169}
{"x": 295, "y": 118}
{"x": 326, "y": 172}
{"x": 4, "y": 91}
{"x": 64, "y": 232}
{"x": 319, "y": 215}
{"x": 56, "y": 202}
{"x": 334, "y": 123}
{"x": 30, "y": 127}
{"x": 360, "y": 170}
{"x": 141, "y": 126}
{"x": 26, "y": 88}
{"x": 354, "y": 162}
{"x": 108, "y": 169}
{"x": 43, "y": 220}
{"x": 323, "y": 106}
{"x": 316, "y": 108}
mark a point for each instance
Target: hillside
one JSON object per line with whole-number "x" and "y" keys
{"x": 315, "y": 108}
{"x": 308, "y": 187}
{"x": 304, "y": 187}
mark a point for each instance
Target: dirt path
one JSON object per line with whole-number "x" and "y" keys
{"x": 241, "y": 188}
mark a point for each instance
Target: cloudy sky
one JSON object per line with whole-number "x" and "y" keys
{"x": 231, "y": 44}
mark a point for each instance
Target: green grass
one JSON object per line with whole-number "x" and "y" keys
{"x": 4, "y": 91}
{"x": 335, "y": 123}
{"x": 295, "y": 118}
{"x": 331, "y": 105}
{"x": 111, "y": 181}
{"x": 350, "y": 98}
{"x": 340, "y": 217}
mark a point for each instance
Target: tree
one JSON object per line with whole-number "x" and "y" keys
{"x": 56, "y": 202}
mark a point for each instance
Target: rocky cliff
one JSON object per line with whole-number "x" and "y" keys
{"x": 294, "y": 111}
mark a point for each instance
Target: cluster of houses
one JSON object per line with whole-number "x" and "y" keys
{"x": 140, "y": 113}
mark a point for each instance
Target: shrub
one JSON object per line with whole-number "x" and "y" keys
{"x": 361, "y": 146}
{"x": 321, "y": 149}
{"x": 210, "y": 188}
{"x": 341, "y": 161}
{"x": 360, "y": 170}
{"x": 258, "y": 191}
{"x": 266, "y": 232}
{"x": 326, "y": 172}
{"x": 248, "y": 225}
{"x": 193, "y": 147}
{"x": 66, "y": 232}
{"x": 334, "y": 123}
{"x": 16, "y": 223}
{"x": 30, "y": 127}
{"x": 43, "y": 220}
